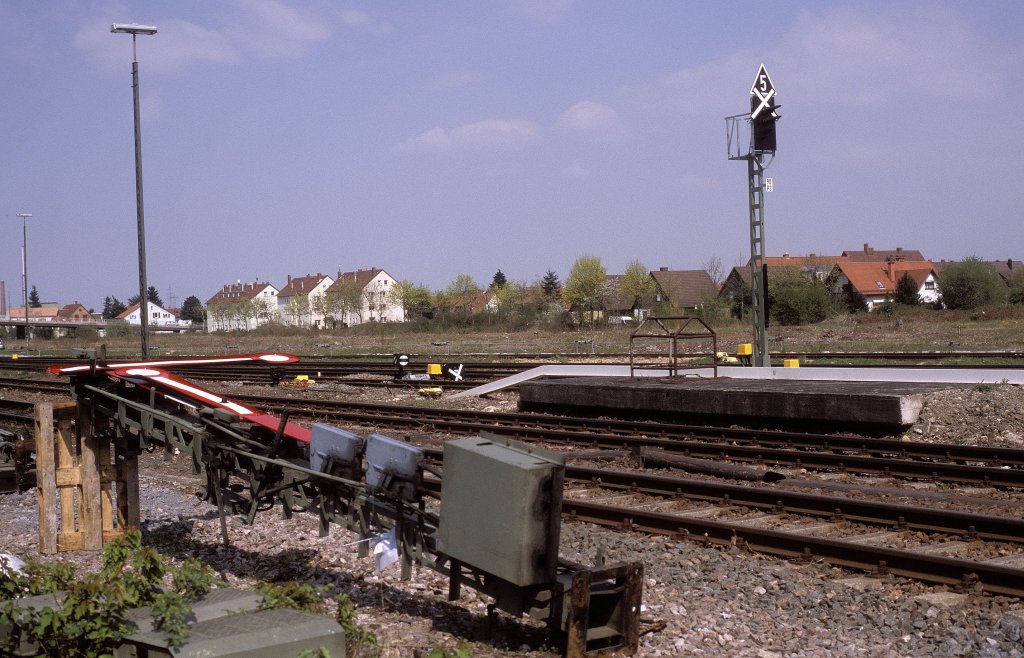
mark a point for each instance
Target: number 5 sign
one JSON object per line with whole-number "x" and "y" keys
{"x": 764, "y": 90}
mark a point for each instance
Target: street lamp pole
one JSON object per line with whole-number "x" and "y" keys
{"x": 135, "y": 30}
{"x": 24, "y": 271}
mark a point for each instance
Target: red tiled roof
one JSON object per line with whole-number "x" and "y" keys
{"x": 301, "y": 285}
{"x": 874, "y": 278}
{"x": 238, "y": 291}
{"x": 361, "y": 277}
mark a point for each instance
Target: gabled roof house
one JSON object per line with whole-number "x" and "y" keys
{"x": 374, "y": 302}
{"x": 158, "y": 316}
{"x": 877, "y": 281}
{"x": 682, "y": 289}
{"x": 241, "y": 306}
{"x": 300, "y": 302}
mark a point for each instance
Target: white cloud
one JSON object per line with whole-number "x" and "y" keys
{"x": 176, "y": 45}
{"x": 361, "y": 20}
{"x": 847, "y": 57}
{"x": 590, "y": 117}
{"x": 869, "y": 59}
{"x": 272, "y": 29}
{"x": 482, "y": 134}
{"x": 576, "y": 170}
{"x": 265, "y": 28}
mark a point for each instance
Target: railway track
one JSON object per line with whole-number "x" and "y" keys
{"x": 840, "y": 530}
{"x": 986, "y": 466}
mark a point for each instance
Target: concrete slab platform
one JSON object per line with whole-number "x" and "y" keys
{"x": 765, "y": 400}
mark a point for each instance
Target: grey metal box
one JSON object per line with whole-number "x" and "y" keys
{"x": 263, "y": 634}
{"x": 501, "y": 509}
{"x": 329, "y": 442}
{"x": 38, "y": 602}
{"x": 215, "y": 603}
{"x": 393, "y": 466}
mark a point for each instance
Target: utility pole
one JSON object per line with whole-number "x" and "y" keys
{"x": 758, "y": 150}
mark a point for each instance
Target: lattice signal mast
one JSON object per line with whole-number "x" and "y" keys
{"x": 751, "y": 137}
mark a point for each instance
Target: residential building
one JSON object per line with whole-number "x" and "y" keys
{"x": 683, "y": 289}
{"x": 877, "y": 281}
{"x": 363, "y": 296}
{"x": 300, "y": 303}
{"x": 1004, "y": 269}
{"x": 241, "y": 306}
{"x": 871, "y": 255}
{"x": 811, "y": 266}
{"x": 158, "y": 316}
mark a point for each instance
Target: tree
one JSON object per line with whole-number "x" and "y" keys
{"x": 971, "y": 283}
{"x": 638, "y": 284}
{"x": 297, "y": 308}
{"x": 462, "y": 293}
{"x": 551, "y": 285}
{"x": 346, "y": 298}
{"x": 585, "y": 286}
{"x": 498, "y": 281}
{"x": 192, "y": 309}
{"x": 152, "y": 296}
{"x": 508, "y": 298}
{"x": 414, "y": 299}
{"x": 112, "y": 307}
{"x": 715, "y": 269}
{"x": 795, "y": 299}
{"x": 33, "y": 299}
{"x": 1016, "y": 284}
{"x": 906, "y": 291}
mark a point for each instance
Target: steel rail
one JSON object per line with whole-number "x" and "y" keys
{"x": 406, "y": 417}
{"x": 789, "y": 440}
{"x": 915, "y": 517}
{"x": 993, "y": 578}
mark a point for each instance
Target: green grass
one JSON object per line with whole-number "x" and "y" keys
{"x": 905, "y": 330}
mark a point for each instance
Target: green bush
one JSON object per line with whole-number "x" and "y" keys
{"x": 971, "y": 283}
{"x": 92, "y": 621}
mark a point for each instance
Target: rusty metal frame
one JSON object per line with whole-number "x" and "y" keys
{"x": 658, "y": 328}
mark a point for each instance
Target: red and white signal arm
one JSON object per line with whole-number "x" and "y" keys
{"x": 764, "y": 90}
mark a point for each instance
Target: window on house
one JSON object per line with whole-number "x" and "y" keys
{"x": 881, "y": 286}
{"x": 929, "y": 285}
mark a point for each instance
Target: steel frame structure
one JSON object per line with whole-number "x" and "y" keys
{"x": 250, "y": 468}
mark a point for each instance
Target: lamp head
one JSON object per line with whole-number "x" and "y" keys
{"x": 132, "y": 28}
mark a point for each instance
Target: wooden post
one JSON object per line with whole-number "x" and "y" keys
{"x": 91, "y": 518}
{"x": 46, "y": 478}
{"x": 77, "y": 481}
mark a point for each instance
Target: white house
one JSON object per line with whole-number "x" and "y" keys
{"x": 368, "y": 295}
{"x": 158, "y": 316}
{"x": 877, "y": 281}
{"x": 300, "y": 302}
{"x": 241, "y": 306}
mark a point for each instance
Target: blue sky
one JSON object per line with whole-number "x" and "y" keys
{"x": 438, "y": 138}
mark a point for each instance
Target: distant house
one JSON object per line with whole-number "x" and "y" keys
{"x": 363, "y": 296}
{"x": 683, "y": 289}
{"x": 74, "y": 313}
{"x": 877, "y": 281}
{"x": 241, "y": 306}
{"x": 300, "y": 303}
{"x": 811, "y": 266}
{"x": 45, "y": 313}
{"x": 158, "y": 316}
{"x": 872, "y": 255}
{"x": 1004, "y": 269}
{"x": 619, "y": 304}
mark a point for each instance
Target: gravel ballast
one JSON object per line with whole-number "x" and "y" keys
{"x": 698, "y": 601}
